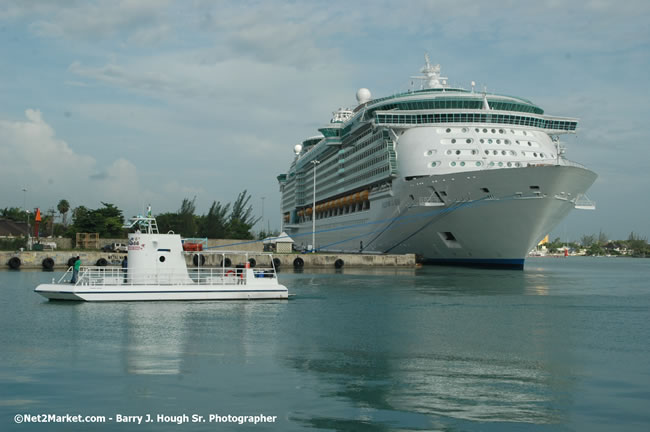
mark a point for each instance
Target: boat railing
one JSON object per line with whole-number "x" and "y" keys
{"x": 100, "y": 276}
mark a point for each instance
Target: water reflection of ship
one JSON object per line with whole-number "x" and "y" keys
{"x": 484, "y": 358}
{"x": 154, "y": 339}
{"x": 171, "y": 338}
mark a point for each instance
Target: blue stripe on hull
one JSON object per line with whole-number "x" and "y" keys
{"x": 510, "y": 264}
{"x": 167, "y": 292}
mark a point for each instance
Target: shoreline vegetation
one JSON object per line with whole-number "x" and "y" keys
{"x": 229, "y": 220}
{"x": 236, "y": 221}
{"x": 596, "y": 245}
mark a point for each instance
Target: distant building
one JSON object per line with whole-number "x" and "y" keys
{"x": 280, "y": 244}
{"x": 9, "y": 228}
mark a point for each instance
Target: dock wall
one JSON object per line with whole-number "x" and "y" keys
{"x": 34, "y": 259}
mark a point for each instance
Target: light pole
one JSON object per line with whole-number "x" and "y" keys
{"x": 262, "y": 220}
{"x": 313, "y": 212}
{"x": 26, "y": 217}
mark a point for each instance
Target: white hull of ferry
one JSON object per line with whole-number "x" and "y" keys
{"x": 489, "y": 217}
{"x": 161, "y": 292}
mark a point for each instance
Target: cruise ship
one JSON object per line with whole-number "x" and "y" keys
{"x": 455, "y": 176}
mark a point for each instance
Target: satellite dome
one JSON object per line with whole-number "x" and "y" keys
{"x": 297, "y": 148}
{"x": 363, "y": 95}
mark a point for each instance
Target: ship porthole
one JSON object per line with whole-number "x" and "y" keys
{"x": 161, "y": 259}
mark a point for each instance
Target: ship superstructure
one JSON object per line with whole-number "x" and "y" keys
{"x": 453, "y": 175}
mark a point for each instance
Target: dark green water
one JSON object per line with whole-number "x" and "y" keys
{"x": 563, "y": 345}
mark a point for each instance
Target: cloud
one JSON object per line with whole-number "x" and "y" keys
{"x": 134, "y": 21}
{"x": 31, "y": 154}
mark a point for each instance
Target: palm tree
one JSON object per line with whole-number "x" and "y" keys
{"x": 63, "y": 208}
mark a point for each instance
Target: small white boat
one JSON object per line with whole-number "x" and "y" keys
{"x": 157, "y": 270}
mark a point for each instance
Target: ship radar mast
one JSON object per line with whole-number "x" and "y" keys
{"x": 430, "y": 77}
{"x": 146, "y": 224}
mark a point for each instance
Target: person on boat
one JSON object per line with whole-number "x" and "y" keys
{"x": 75, "y": 270}
{"x": 125, "y": 266}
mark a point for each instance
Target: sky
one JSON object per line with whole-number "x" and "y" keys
{"x": 137, "y": 102}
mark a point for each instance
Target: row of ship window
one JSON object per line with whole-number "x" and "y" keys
{"x": 494, "y": 152}
{"x": 495, "y": 141}
{"x": 474, "y": 118}
{"x": 364, "y": 206}
{"x": 486, "y": 130}
{"x": 457, "y": 103}
{"x": 436, "y": 164}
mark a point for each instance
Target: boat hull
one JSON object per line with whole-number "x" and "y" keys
{"x": 160, "y": 292}
{"x": 489, "y": 218}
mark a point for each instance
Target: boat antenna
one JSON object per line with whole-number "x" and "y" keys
{"x": 431, "y": 78}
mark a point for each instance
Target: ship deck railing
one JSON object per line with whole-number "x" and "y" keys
{"x": 97, "y": 276}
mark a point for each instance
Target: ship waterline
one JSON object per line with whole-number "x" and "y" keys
{"x": 453, "y": 176}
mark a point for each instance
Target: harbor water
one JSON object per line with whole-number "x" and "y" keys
{"x": 563, "y": 345}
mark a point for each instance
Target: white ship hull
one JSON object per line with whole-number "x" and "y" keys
{"x": 488, "y": 217}
{"x": 160, "y": 292}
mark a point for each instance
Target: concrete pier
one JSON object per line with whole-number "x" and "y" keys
{"x": 35, "y": 259}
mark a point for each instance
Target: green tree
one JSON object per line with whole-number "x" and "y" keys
{"x": 107, "y": 221}
{"x": 186, "y": 218}
{"x": 638, "y": 245}
{"x": 14, "y": 213}
{"x": 167, "y": 222}
{"x": 241, "y": 218}
{"x": 555, "y": 245}
{"x": 602, "y": 238}
{"x": 63, "y": 206}
{"x": 183, "y": 222}
{"x": 595, "y": 250}
{"x": 215, "y": 223}
{"x": 587, "y": 240}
